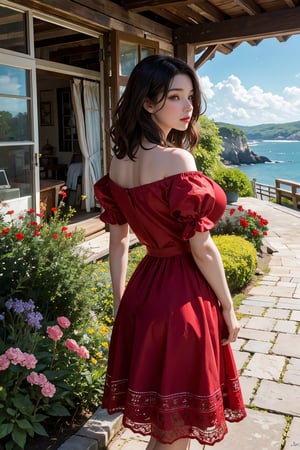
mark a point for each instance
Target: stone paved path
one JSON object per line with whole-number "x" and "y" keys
{"x": 268, "y": 348}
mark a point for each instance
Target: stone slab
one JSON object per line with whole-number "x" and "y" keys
{"x": 248, "y": 333}
{"x": 293, "y": 435}
{"x": 295, "y": 316}
{"x": 268, "y": 367}
{"x": 251, "y": 310}
{"x": 240, "y": 358}
{"x": 285, "y": 326}
{"x": 261, "y": 323}
{"x": 238, "y": 344}
{"x": 292, "y": 373}
{"x": 248, "y": 384}
{"x": 262, "y": 300}
{"x": 278, "y": 397}
{"x": 276, "y": 313}
{"x": 257, "y": 346}
{"x": 287, "y": 345}
{"x": 258, "y": 430}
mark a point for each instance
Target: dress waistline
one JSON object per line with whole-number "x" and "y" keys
{"x": 165, "y": 252}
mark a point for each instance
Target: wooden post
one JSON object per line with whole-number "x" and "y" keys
{"x": 186, "y": 52}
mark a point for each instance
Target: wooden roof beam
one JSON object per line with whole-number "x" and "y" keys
{"x": 208, "y": 54}
{"x": 241, "y": 29}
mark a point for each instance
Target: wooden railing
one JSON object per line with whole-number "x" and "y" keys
{"x": 263, "y": 191}
{"x": 282, "y": 189}
{"x": 287, "y": 189}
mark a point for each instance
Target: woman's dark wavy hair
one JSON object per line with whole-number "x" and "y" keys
{"x": 151, "y": 78}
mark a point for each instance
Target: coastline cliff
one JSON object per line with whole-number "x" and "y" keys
{"x": 236, "y": 148}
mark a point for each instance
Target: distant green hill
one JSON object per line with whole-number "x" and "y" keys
{"x": 267, "y": 131}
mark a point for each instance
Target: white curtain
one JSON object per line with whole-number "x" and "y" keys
{"x": 86, "y": 104}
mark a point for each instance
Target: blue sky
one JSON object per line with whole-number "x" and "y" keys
{"x": 254, "y": 84}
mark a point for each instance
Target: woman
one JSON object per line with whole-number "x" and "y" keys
{"x": 171, "y": 369}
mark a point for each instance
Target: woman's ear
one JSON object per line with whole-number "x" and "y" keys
{"x": 148, "y": 106}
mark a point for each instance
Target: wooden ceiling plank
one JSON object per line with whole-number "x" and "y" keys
{"x": 291, "y": 3}
{"x": 172, "y": 18}
{"x": 241, "y": 29}
{"x": 208, "y": 11}
{"x": 143, "y": 5}
{"x": 250, "y": 6}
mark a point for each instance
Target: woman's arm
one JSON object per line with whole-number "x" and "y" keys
{"x": 118, "y": 260}
{"x": 208, "y": 260}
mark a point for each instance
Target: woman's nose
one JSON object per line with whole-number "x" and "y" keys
{"x": 188, "y": 106}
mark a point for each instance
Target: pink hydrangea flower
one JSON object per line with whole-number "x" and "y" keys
{"x": 72, "y": 345}
{"x": 54, "y": 333}
{"x": 15, "y": 355}
{"x": 63, "y": 322}
{"x": 48, "y": 390}
{"x": 33, "y": 378}
{"x": 4, "y": 362}
{"x": 83, "y": 352}
{"x": 42, "y": 380}
{"x": 29, "y": 361}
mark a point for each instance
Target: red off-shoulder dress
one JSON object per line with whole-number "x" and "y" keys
{"x": 167, "y": 370}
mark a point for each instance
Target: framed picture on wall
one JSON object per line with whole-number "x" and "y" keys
{"x": 46, "y": 114}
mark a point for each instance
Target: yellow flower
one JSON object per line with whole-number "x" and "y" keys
{"x": 91, "y": 330}
{"x": 103, "y": 329}
{"x": 93, "y": 361}
{"x": 104, "y": 344}
{"x": 83, "y": 197}
{"x": 99, "y": 355}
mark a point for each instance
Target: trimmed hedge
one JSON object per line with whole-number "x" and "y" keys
{"x": 239, "y": 259}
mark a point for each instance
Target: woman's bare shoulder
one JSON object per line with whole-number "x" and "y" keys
{"x": 178, "y": 160}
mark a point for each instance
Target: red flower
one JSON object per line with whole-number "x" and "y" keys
{"x": 255, "y": 233}
{"x": 30, "y": 211}
{"x": 265, "y": 233}
{"x": 21, "y": 217}
{"x": 53, "y": 209}
{"x": 244, "y": 223}
{"x": 240, "y": 208}
{"x": 19, "y": 236}
{"x": 55, "y": 235}
{"x": 5, "y": 231}
{"x": 68, "y": 235}
{"x": 33, "y": 224}
{"x": 39, "y": 215}
{"x": 10, "y": 212}
{"x": 231, "y": 211}
{"x": 64, "y": 228}
{"x": 63, "y": 194}
{"x": 37, "y": 233}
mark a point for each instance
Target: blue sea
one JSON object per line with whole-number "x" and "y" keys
{"x": 285, "y": 157}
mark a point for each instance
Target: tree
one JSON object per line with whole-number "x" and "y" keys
{"x": 207, "y": 153}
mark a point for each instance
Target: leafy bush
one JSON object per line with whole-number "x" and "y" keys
{"x": 233, "y": 180}
{"x": 207, "y": 153}
{"x": 239, "y": 260}
{"x": 39, "y": 260}
{"x": 245, "y": 223}
{"x": 45, "y": 368}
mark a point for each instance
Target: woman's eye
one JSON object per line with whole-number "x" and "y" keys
{"x": 174, "y": 97}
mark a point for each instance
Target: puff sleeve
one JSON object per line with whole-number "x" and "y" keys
{"x": 197, "y": 202}
{"x": 112, "y": 213}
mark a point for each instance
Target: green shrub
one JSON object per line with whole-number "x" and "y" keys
{"x": 39, "y": 260}
{"x": 233, "y": 180}
{"x": 239, "y": 260}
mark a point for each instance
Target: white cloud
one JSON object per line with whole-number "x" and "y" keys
{"x": 230, "y": 101}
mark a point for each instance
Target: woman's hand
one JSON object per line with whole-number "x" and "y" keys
{"x": 232, "y": 325}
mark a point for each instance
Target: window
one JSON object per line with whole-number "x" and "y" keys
{"x": 13, "y": 30}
